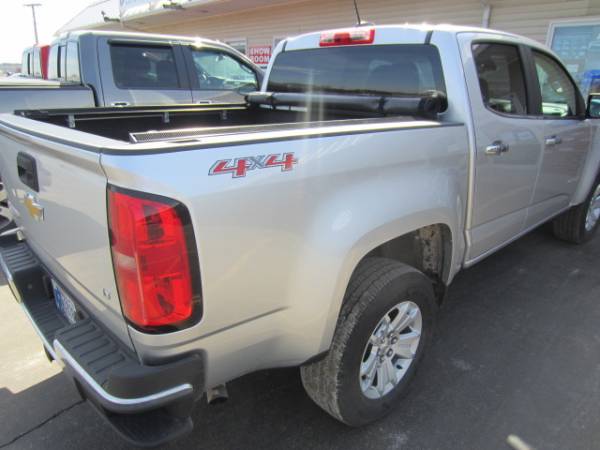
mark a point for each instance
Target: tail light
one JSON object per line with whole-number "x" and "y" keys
{"x": 154, "y": 259}
{"x": 353, "y": 36}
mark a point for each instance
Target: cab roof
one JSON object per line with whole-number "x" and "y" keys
{"x": 408, "y": 33}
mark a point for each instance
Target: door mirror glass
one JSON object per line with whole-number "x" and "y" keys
{"x": 593, "y": 106}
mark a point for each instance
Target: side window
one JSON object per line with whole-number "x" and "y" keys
{"x": 37, "y": 62}
{"x": 501, "y": 79}
{"x": 62, "y": 61}
{"x": 72, "y": 74}
{"x": 144, "y": 67}
{"x": 53, "y": 66}
{"x": 25, "y": 63}
{"x": 219, "y": 71}
{"x": 559, "y": 95}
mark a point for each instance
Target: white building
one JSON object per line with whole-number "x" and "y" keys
{"x": 570, "y": 27}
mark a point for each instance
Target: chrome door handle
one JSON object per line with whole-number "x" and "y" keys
{"x": 553, "y": 140}
{"x": 496, "y": 148}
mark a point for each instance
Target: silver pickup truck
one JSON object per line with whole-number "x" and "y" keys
{"x": 161, "y": 252}
{"x": 110, "y": 68}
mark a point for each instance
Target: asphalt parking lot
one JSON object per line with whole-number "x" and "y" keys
{"x": 517, "y": 352}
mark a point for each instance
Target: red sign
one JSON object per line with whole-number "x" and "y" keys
{"x": 260, "y": 54}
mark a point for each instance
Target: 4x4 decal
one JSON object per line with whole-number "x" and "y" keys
{"x": 239, "y": 167}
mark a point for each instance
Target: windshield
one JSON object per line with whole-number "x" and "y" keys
{"x": 400, "y": 70}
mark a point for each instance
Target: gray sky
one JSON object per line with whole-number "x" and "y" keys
{"x": 16, "y": 24}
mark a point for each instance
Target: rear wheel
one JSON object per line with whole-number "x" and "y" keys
{"x": 578, "y": 224}
{"x": 384, "y": 327}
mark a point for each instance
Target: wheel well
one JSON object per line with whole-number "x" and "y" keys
{"x": 428, "y": 249}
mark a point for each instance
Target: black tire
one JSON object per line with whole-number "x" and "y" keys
{"x": 570, "y": 226}
{"x": 377, "y": 285}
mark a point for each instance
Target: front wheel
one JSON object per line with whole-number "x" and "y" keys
{"x": 578, "y": 224}
{"x": 384, "y": 327}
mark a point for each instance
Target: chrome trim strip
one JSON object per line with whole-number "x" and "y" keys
{"x": 118, "y": 404}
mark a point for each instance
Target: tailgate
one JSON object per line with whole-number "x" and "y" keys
{"x": 58, "y": 196}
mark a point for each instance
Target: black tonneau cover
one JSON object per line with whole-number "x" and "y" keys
{"x": 428, "y": 105}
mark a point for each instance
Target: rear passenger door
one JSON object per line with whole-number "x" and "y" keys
{"x": 507, "y": 138}
{"x": 142, "y": 73}
{"x": 566, "y": 137}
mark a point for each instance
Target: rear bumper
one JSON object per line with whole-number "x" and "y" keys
{"x": 148, "y": 405}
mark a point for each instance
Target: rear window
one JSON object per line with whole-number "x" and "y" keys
{"x": 397, "y": 70}
{"x": 72, "y": 65}
{"x": 144, "y": 67}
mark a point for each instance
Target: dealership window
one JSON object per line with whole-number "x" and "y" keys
{"x": 577, "y": 43}
{"x": 241, "y": 45}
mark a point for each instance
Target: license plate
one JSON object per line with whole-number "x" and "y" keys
{"x": 65, "y": 305}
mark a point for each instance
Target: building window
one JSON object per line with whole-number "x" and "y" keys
{"x": 241, "y": 45}
{"x": 577, "y": 43}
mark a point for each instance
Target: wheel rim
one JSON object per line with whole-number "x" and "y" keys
{"x": 593, "y": 214}
{"x": 391, "y": 350}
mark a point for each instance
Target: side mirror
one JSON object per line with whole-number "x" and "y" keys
{"x": 593, "y": 106}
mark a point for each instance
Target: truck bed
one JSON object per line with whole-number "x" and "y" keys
{"x": 263, "y": 113}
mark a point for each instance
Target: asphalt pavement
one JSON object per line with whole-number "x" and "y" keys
{"x": 517, "y": 351}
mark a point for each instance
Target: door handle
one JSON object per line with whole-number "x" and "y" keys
{"x": 496, "y": 148}
{"x": 553, "y": 140}
{"x": 120, "y": 104}
{"x": 27, "y": 170}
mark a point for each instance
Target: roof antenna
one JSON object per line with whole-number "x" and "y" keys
{"x": 360, "y": 23}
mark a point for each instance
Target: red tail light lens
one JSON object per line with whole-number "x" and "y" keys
{"x": 354, "y": 36}
{"x": 154, "y": 258}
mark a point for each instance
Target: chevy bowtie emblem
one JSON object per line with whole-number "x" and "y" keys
{"x": 36, "y": 211}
